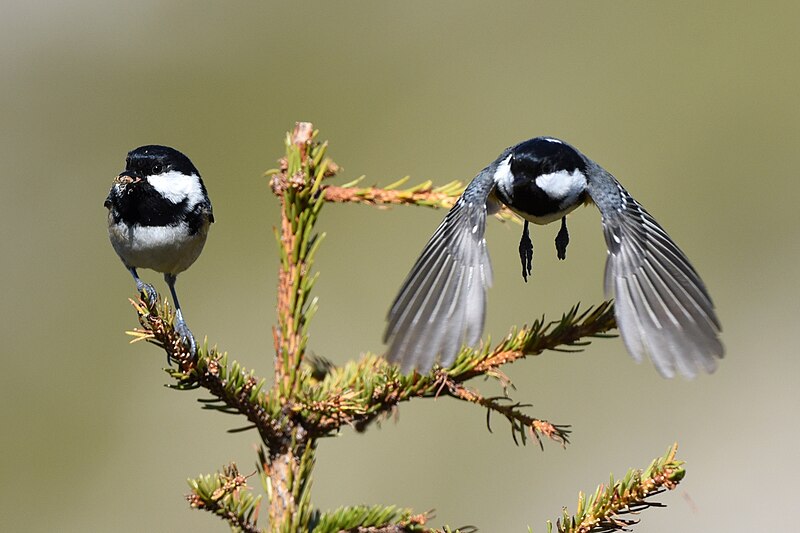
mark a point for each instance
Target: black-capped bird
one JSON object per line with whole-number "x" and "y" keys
{"x": 662, "y": 307}
{"x": 158, "y": 218}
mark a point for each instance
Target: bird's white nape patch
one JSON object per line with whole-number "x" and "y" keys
{"x": 562, "y": 184}
{"x": 502, "y": 176}
{"x": 176, "y": 186}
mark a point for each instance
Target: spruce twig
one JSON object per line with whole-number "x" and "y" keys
{"x": 361, "y": 392}
{"x": 604, "y": 511}
{"x": 297, "y": 183}
{"x": 423, "y": 194}
{"x": 374, "y": 518}
{"x": 521, "y": 424}
{"x": 227, "y": 495}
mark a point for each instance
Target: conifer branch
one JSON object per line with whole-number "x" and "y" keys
{"x": 297, "y": 184}
{"x": 605, "y": 510}
{"x": 376, "y": 518}
{"x": 235, "y": 390}
{"x": 227, "y": 495}
{"x": 572, "y": 331}
{"x": 360, "y": 392}
{"x": 423, "y": 194}
{"x": 522, "y": 425}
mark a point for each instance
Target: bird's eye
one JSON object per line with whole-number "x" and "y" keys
{"x": 157, "y": 169}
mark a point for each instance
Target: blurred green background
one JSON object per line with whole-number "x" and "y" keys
{"x": 692, "y": 105}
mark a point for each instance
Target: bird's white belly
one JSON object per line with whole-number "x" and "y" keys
{"x": 168, "y": 249}
{"x": 548, "y": 218}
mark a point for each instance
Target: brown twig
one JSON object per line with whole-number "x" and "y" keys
{"x": 518, "y": 420}
{"x": 377, "y": 196}
{"x": 423, "y": 194}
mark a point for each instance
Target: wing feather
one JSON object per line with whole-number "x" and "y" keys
{"x": 662, "y": 307}
{"x": 442, "y": 303}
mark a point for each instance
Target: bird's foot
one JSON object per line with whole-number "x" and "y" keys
{"x": 186, "y": 336}
{"x": 562, "y": 239}
{"x": 148, "y": 292}
{"x": 526, "y": 252}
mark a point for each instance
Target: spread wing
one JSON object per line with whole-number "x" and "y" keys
{"x": 442, "y": 303}
{"x": 662, "y": 307}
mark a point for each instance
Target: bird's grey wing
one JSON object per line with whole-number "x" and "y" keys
{"x": 442, "y": 303}
{"x": 662, "y": 307}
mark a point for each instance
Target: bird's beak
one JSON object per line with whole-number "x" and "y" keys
{"x": 128, "y": 176}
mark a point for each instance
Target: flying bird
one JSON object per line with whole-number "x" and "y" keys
{"x": 158, "y": 218}
{"x": 661, "y": 305}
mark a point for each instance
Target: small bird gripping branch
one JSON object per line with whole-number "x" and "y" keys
{"x": 662, "y": 307}
{"x": 158, "y": 218}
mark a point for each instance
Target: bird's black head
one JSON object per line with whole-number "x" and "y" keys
{"x": 545, "y": 155}
{"x": 152, "y": 160}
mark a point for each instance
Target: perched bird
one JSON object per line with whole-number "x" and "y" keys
{"x": 661, "y": 305}
{"x": 158, "y": 218}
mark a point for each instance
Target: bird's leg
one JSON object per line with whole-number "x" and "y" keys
{"x": 526, "y": 252}
{"x": 180, "y": 324}
{"x": 144, "y": 289}
{"x": 562, "y": 239}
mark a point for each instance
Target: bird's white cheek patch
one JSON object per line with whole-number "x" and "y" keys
{"x": 176, "y": 186}
{"x": 503, "y": 177}
{"x": 562, "y": 184}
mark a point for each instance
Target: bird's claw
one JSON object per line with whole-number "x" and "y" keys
{"x": 186, "y": 336}
{"x": 526, "y": 252}
{"x": 148, "y": 292}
